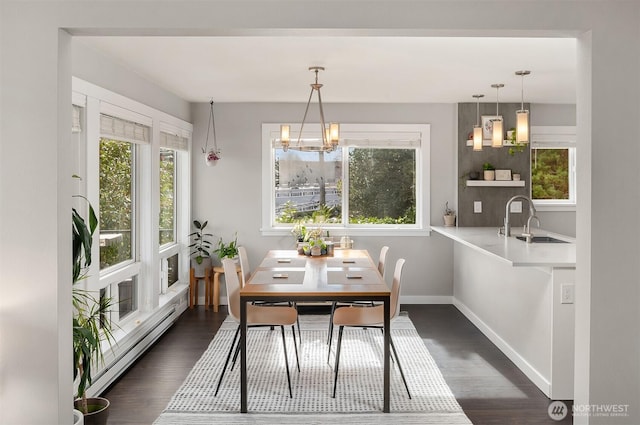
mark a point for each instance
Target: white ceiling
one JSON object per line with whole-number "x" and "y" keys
{"x": 358, "y": 69}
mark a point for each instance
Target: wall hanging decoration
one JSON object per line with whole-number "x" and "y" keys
{"x": 211, "y": 154}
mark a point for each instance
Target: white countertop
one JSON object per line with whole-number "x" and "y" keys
{"x": 514, "y": 251}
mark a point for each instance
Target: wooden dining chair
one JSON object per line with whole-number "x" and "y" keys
{"x": 257, "y": 315}
{"x": 382, "y": 259}
{"x": 369, "y": 317}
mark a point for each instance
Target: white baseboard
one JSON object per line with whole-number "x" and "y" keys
{"x": 526, "y": 368}
{"x": 126, "y": 351}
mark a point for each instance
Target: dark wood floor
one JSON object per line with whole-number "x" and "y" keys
{"x": 488, "y": 386}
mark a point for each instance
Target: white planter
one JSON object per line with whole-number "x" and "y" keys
{"x": 199, "y": 270}
{"x": 78, "y": 417}
{"x": 489, "y": 174}
{"x": 449, "y": 220}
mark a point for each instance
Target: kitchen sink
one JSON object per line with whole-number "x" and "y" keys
{"x": 542, "y": 239}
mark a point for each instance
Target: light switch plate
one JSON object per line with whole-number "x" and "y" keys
{"x": 567, "y": 294}
{"x": 516, "y": 207}
{"x": 477, "y": 207}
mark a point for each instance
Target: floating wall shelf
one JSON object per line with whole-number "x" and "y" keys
{"x": 488, "y": 143}
{"x": 496, "y": 183}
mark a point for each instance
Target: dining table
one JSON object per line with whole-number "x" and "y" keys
{"x": 286, "y": 276}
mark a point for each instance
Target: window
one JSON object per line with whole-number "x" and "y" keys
{"x": 308, "y": 186}
{"x": 553, "y": 167}
{"x": 167, "y": 226}
{"x": 127, "y": 297}
{"x": 172, "y": 269}
{"x": 116, "y": 202}
{"x": 375, "y": 179}
{"x": 135, "y": 164}
{"x": 124, "y": 299}
{"x": 382, "y": 186}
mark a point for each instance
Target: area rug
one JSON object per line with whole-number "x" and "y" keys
{"x": 359, "y": 397}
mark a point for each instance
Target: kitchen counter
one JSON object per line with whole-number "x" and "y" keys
{"x": 520, "y": 295}
{"x": 515, "y": 252}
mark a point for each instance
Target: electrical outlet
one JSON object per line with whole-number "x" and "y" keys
{"x": 516, "y": 207}
{"x": 567, "y": 294}
{"x": 477, "y": 207}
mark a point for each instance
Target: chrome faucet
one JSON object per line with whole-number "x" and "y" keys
{"x": 527, "y": 229}
{"x": 507, "y": 221}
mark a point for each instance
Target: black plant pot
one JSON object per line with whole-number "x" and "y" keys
{"x": 98, "y": 410}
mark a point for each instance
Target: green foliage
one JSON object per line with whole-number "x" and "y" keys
{"x": 91, "y": 324}
{"x": 116, "y": 192}
{"x": 408, "y": 219}
{"x": 487, "y": 166}
{"x": 82, "y": 241}
{"x": 201, "y": 244}
{"x": 517, "y": 147}
{"x": 382, "y": 186}
{"x": 167, "y": 196}
{"x": 289, "y": 213}
{"x": 550, "y": 174}
{"x": 228, "y": 250}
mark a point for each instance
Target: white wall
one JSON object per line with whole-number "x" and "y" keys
{"x": 35, "y": 191}
{"x": 229, "y": 194}
{"x": 93, "y": 66}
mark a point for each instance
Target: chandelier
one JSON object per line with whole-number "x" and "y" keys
{"x": 329, "y": 135}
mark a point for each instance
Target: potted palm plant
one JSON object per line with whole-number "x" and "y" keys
{"x": 91, "y": 323}
{"x": 201, "y": 257}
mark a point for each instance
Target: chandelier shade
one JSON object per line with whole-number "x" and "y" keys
{"x": 522, "y": 116}
{"x": 477, "y": 129}
{"x": 498, "y": 130}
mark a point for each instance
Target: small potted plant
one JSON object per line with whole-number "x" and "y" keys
{"x": 228, "y": 250}
{"x": 449, "y": 216}
{"x": 489, "y": 171}
{"x": 201, "y": 257}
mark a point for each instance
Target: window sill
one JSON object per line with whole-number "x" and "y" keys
{"x": 554, "y": 207}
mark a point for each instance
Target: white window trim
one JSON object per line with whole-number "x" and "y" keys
{"x": 557, "y": 137}
{"x": 99, "y": 100}
{"x": 383, "y": 134}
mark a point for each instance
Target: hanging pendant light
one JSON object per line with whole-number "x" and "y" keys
{"x": 212, "y": 155}
{"x": 498, "y": 132}
{"x": 329, "y": 135}
{"x": 522, "y": 116}
{"x": 477, "y": 129}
